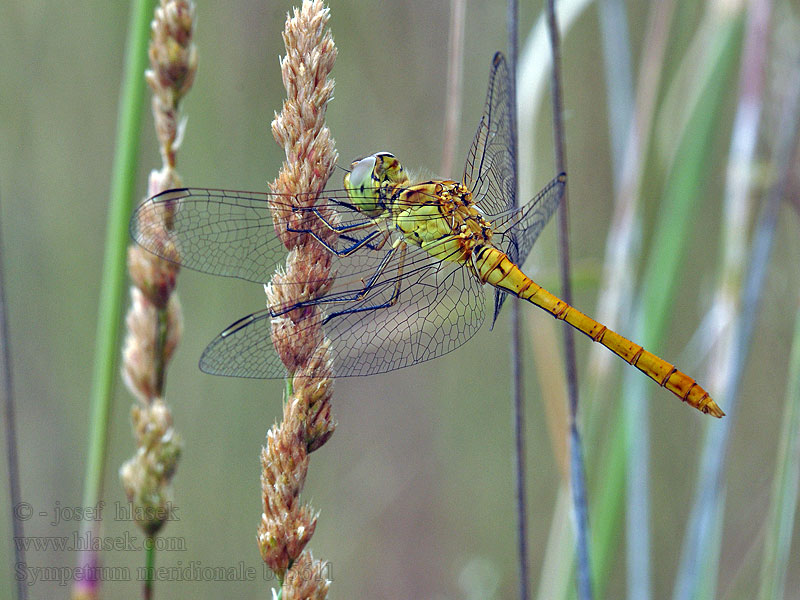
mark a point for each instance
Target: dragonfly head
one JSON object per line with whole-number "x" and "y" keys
{"x": 370, "y": 177}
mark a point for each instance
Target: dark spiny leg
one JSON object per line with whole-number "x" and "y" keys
{"x": 391, "y": 302}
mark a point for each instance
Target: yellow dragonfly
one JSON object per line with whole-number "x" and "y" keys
{"x": 412, "y": 260}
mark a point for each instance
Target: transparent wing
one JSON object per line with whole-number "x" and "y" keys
{"x": 519, "y": 229}
{"x": 489, "y": 170}
{"x": 231, "y": 233}
{"x": 225, "y": 232}
{"x": 408, "y": 315}
{"x": 489, "y": 173}
{"x": 391, "y": 305}
{"x": 385, "y": 310}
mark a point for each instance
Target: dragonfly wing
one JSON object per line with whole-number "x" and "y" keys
{"x": 490, "y": 175}
{"x": 517, "y": 231}
{"x": 219, "y": 232}
{"x": 438, "y": 306}
{"x": 231, "y": 233}
{"x": 402, "y": 319}
{"x": 489, "y": 171}
{"x": 244, "y": 349}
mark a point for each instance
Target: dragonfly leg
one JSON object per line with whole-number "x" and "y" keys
{"x": 338, "y": 228}
{"x": 400, "y": 262}
{"x": 352, "y": 295}
{"x": 371, "y": 283}
{"x": 363, "y": 242}
{"x": 357, "y": 243}
{"x": 343, "y": 230}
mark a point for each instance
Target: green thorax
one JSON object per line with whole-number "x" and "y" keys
{"x": 437, "y": 215}
{"x": 440, "y": 217}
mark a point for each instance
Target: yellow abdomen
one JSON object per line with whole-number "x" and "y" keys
{"x": 496, "y": 269}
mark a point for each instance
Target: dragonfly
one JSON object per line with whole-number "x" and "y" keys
{"x": 412, "y": 261}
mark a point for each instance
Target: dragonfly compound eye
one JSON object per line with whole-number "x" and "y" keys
{"x": 360, "y": 176}
{"x": 363, "y": 184}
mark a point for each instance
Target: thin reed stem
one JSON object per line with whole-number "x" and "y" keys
{"x": 149, "y": 565}
{"x": 518, "y": 395}
{"x": 577, "y": 476}
{"x": 517, "y": 384}
{"x": 783, "y": 504}
{"x": 12, "y": 456}
{"x": 455, "y": 85}
{"x": 699, "y": 540}
{"x": 123, "y": 181}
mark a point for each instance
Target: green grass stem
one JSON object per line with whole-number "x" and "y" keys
{"x": 783, "y": 503}
{"x": 682, "y": 195}
{"x": 700, "y": 539}
{"x": 123, "y": 183}
{"x": 682, "y": 192}
{"x": 149, "y": 567}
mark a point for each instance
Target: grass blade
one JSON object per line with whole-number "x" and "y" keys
{"x": 112, "y": 285}
{"x": 783, "y": 504}
{"x": 10, "y": 421}
{"x": 517, "y": 388}
{"x": 699, "y": 541}
{"x": 123, "y": 183}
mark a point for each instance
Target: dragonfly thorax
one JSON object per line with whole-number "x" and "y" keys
{"x": 437, "y": 215}
{"x": 441, "y": 218}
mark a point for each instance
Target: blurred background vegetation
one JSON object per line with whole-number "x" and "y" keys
{"x": 415, "y": 487}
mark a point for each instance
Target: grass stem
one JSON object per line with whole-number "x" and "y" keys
{"x": 123, "y": 181}
{"x": 12, "y": 456}
{"x": 577, "y": 475}
{"x": 699, "y": 540}
{"x": 517, "y": 385}
{"x": 149, "y": 567}
{"x": 455, "y": 86}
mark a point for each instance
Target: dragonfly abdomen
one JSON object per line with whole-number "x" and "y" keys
{"x": 495, "y": 268}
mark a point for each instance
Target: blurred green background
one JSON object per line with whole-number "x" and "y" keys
{"x": 415, "y": 487}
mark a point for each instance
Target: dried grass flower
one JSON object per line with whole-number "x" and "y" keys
{"x": 154, "y": 322}
{"x": 286, "y": 523}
